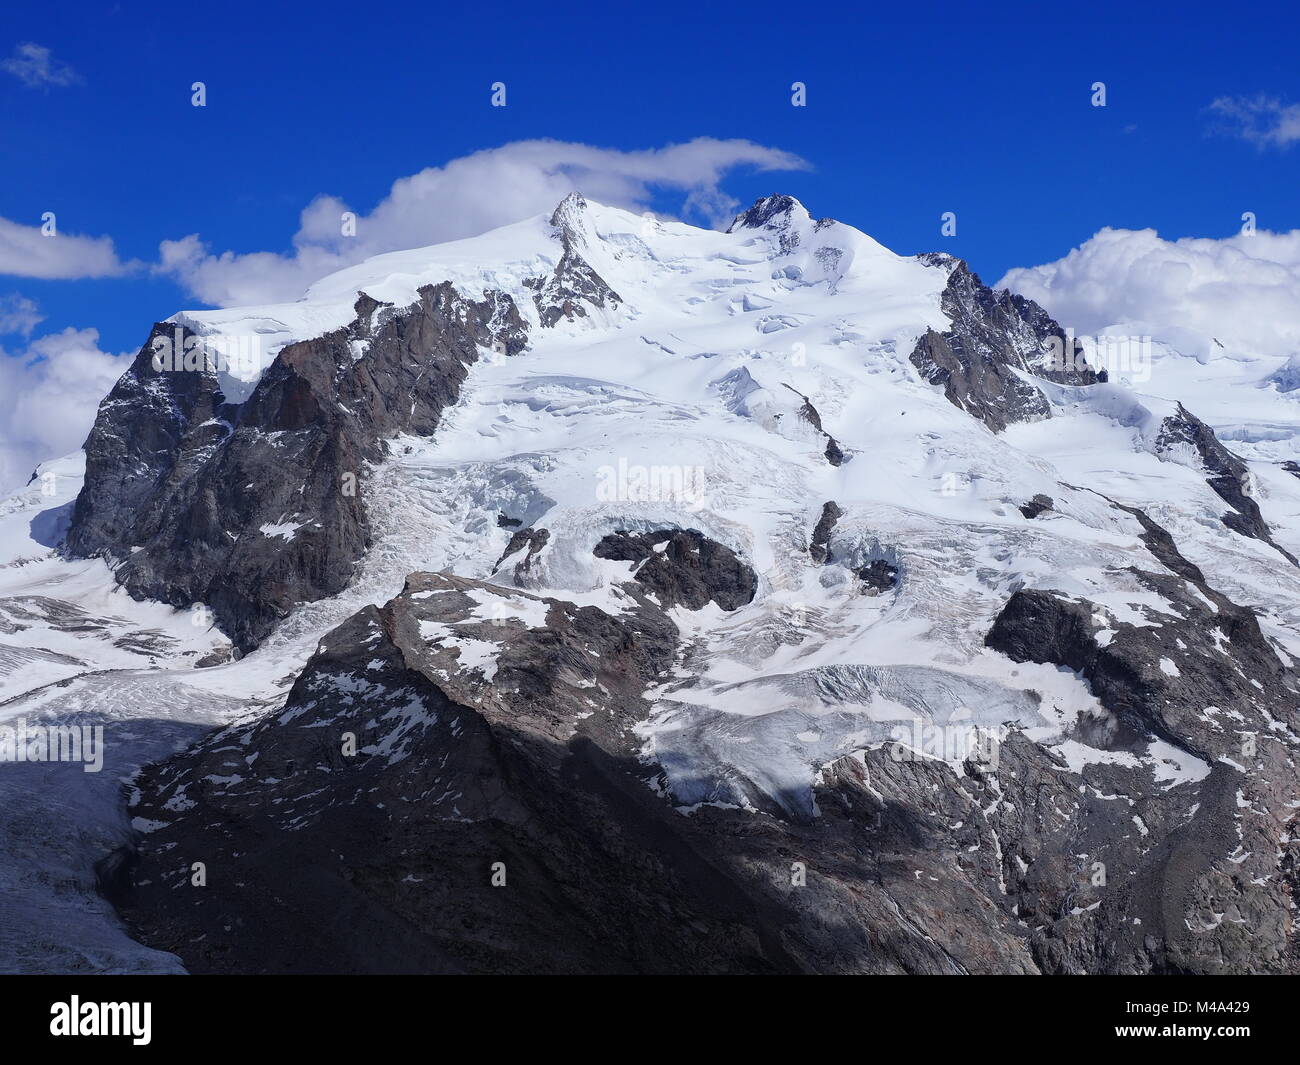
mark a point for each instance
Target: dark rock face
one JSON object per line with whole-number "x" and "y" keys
{"x": 878, "y": 575}
{"x": 1124, "y": 673}
{"x": 819, "y": 549}
{"x": 1202, "y": 677}
{"x": 1224, "y": 472}
{"x": 397, "y": 775}
{"x": 992, "y": 335}
{"x": 531, "y": 541}
{"x": 405, "y": 777}
{"x": 147, "y": 426}
{"x": 683, "y": 567}
{"x": 573, "y": 284}
{"x": 1219, "y": 655}
{"x": 764, "y": 212}
{"x": 254, "y": 507}
{"x": 1036, "y": 506}
{"x": 834, "y": 454}
{"x": 776, "y": 215}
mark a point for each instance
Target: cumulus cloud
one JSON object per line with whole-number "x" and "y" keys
{"x": 18, "y": 315}
{"x": 465, "y": 197}
{"x": 49, "y": 393}
{"x": 1263, "y": 120}
{"x": 1243, "y": 290}
{"x": 29, "y": 251}
{"x": 35, "y": 66}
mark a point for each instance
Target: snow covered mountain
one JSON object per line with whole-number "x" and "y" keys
{"x": 607, "y": 594}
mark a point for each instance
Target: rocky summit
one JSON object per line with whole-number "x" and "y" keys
{"x": 608, "y": 595}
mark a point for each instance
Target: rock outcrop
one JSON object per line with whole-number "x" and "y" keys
{"x": 819, "y": 548}
{"x": 1199, "y": 675}
{"x": 996, "y": 338}
{"x": 1224, "y": 472}
{"x": 573, "y": 288}
{"x": 1040, "y": 504}
{"x": 683, "y": 567}
{"x": 834, "y": 453}
{"x": 454, "y": 795}
{"x": 254, "y": 507}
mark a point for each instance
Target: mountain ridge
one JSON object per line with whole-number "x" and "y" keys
{"x": 163, "y": 551}
{"x": 679, "y": 560}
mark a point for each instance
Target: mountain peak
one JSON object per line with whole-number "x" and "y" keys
{"x": 568, "y": 210}
{"x": 570, "y": 219}
{"x": 767, "y": 210}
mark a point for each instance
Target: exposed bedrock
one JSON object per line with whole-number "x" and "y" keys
{"x": 683, "y": 567}
{"x": 456, "y": 784}
{"x": 252, "y": 508}
{"x": 1224, "y": 472}
{"x": 1036, "y": 506}
{"x": 444, "y": 793}
{"x": 1198, "y": 673}
{"x": 833, "y": 453}
{"x": 573, "y": 289}
{"x": 819, "y": 548}
{"x": 993, "y": 335}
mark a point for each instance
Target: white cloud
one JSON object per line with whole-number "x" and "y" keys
{"x": 26, "y": 251}
{"x": 48, "y": 397}
{"x": 18, "y": 315}
{"x": 35, "y": 66}
{"x": 466, "y": 197}
{"x": 1263, "y": 120}
{"x": 1243, "y": 290}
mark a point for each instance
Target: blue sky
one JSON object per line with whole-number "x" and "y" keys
{"x": 987, "y": 115}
